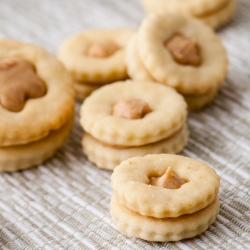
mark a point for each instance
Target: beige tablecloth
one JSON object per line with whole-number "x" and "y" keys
{"x": 64, "y": 203}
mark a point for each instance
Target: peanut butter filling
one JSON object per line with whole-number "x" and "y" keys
{"x": 102, "y": 49}
{"x": 185, "y": 51}
{"x": 18, "y": 82}
{"x": 131, "y": 109}
{"x": 168, "y": 180}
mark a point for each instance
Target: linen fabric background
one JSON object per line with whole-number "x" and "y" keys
{"x": 64, "y": 203}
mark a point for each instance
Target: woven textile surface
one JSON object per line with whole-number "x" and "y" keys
{"x": 64, "y": 203}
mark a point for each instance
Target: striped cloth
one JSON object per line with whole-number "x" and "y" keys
{"x": 64, "y": 203}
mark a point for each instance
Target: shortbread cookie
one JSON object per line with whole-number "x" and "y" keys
{"x": 108, "y": 157}
{"x": 166, "y": 229}
{"x": 20, "y": 157}
{"x": 137, "y": 71}
{"x": 36, "y": 104}
{"x": 178, "y": 53}
{"x": 166, "y": 116}
{"x": 96, "y": 56}
{"x": 214, "y": 13}
{"x": 182, "y": 52}
{"x": 164, "y": 197}
{"x": 199, "y": 190}
{"x": 39, "y": 115}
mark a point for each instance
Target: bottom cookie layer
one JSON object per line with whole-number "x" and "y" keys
{"x": 197, "y": 102}
{"x": 14, "y": 158}
{"x": 168, "y": 229}
{"x": 84, "y": 90}
{"x": 108, "y": 157}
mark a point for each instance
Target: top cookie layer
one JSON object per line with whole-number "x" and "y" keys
{"x": 194, "y": 7}
{"x": 168, "y": 113}
{"x": 131, "y": 184}
{"x": 85, "y": 68}
{"x": 160, "y": 27}
{"x": 39, "y": 115}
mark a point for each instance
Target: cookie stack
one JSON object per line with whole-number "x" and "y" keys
{"x": 164, "y": 197}
{"x": 181, "y": 52}
{"x": 95, "y": 58}
{"x": 213, "y": 12}
{"x": 36, "y": 105}
{"x": 129, "y": 118}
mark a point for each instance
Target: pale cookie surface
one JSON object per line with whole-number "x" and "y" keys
{"x": 14, "y": 158}
{"x": 167, "y": 229}
{"x": 200, "y": 189}
{"x": 194, "y": 7}
{"x": 136, "y": 69}
{"x": 167, "y": 116}
{"x": 84, "y": 65}
{"x": 222, "y": 16}
{"x": 108, "y": 156}
{"x": 158, "y": 28}
{"x": 39, "y": 115}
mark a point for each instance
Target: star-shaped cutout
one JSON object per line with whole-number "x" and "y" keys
{"x": 18, "y": 82}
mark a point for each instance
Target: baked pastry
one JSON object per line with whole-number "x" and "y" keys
{"x": 176, "y": 197}
{"x": 181, "y": 52}
{"x": 36, "y": 105}
{"x": 95, "y": 58}
{"x": 127, "y": 119}
{"x": 215, "y": 13}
